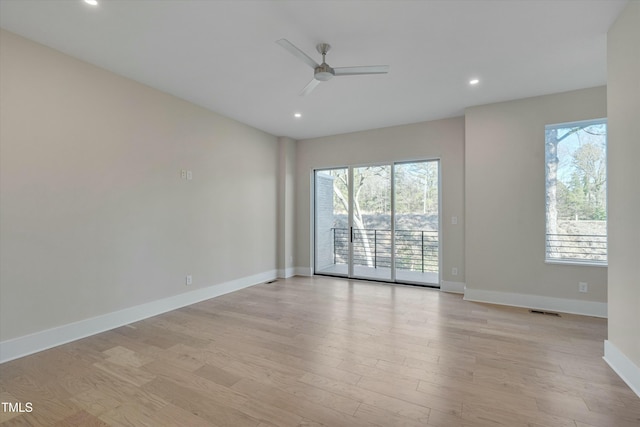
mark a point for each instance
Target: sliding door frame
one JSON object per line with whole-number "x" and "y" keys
{"x": 350, "y": 174}
{"x": 439, "y": 163}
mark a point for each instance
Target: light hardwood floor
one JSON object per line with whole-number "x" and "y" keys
{"x": 322, "y": 351}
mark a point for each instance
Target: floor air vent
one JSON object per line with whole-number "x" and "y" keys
{"x": 271, "y": 281}
{"x": 548, "y": 313}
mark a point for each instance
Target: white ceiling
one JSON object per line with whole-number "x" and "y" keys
{"x": 222, "y": 55}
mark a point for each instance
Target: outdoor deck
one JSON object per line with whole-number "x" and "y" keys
{"x": 383, "y": 273}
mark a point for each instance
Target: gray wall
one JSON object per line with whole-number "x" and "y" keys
{"x": 286, "y": 207}
{"x": 94, "y": 215}
{"x": 505, "y": 197}
{"x": 623, "y": 98}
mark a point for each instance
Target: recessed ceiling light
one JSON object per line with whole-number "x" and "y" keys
{"x": 474, "y": 82}
{"x": 91, "y": 2}
{"x": 297, "y": 115}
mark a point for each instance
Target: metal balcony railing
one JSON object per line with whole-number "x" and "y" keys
{"x": 416, "y": 250}
{"x": 577, "y": 247}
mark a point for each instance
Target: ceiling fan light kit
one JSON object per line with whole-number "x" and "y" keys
{"x": 323, "y": 72}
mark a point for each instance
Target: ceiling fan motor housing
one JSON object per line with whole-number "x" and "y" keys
{"x": 323, "y": 72}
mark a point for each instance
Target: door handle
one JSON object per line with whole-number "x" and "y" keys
{"x": 351, "y": 233}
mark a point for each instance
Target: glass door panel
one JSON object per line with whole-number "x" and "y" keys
{"x": 417, "y": 244}
{"x": 371, "y": 223}
{"x": 332, "y": 221}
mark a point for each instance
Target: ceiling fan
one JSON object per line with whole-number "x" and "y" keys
{"x": 323, "y": 72}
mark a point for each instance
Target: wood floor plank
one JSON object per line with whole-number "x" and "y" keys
{"x": 422, "y": 370}
{"x": 467, "y": 392}
{"x": 128, "y": 374}
{"x": 171, "y": 416}
{"x": 380, "y": 416}
{"x": 195, "y": 384}
{"x": 489, "y": 415}
{"x": 82, "y": 419}
{"x": 110, "y": 392}
{"x": 445, "y": 419}
{"x": 45, "y": 413}
{"x": 7, "y": 415}
{"x": 407, "y": 391}
{"x": 200, "y": 404}
{"x": 218, "y": 375}
{"x": 124, "y": 357}
{"x": 298, "y": 405}
{"x": 319, "y": 351}
{"x": 392, "y": 404}
{"x": 270, "y": 415}
{"x": 130, "y": 414}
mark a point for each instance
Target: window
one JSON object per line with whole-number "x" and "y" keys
{"x": 576, "y": 192}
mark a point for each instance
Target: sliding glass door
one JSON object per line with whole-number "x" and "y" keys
{"x": 378, "y": 222}
{"x": 417, "y": 222}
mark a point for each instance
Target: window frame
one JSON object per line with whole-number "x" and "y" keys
{"x": 577, "y": 261}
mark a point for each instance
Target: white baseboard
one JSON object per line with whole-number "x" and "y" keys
{"x": 33, "y": 343}
{"x": 623, "y": 366}
{"x": 304, "y": 271}
{"x": 453, "y": 287}
{"x": 563, "y": 305}
{"x": 286, "y": 272}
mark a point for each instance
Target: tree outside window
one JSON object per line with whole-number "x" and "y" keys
{"x": 576, "y": 192}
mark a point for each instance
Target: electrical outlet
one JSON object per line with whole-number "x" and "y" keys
{"x": 454, "y": 220}
{"x": 183, "y": 174}
{"x": 454, "y": 271}
{"x": 189, "y": 175}
{"x": 583, "y": 287}
{"x": 189, "y": 279}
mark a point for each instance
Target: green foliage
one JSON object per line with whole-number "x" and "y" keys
{"x": 582, "y": 174}
{"x": 416, "y": 188}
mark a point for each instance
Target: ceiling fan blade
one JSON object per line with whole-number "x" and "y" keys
{"x": 367, "y": 69}
{"x": 309, "y": 87}
{"x": 297, "y": 52}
